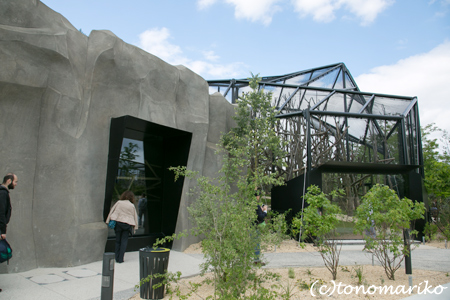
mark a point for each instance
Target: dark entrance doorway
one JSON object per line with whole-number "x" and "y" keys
{"x": 140, "y": 153}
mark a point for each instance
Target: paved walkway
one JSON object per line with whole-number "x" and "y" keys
{"x": 84, "y": 282}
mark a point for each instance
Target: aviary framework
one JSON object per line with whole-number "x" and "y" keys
{"x": 331, "y": 127}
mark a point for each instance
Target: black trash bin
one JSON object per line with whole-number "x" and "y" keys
{"x": 152, "y": 261}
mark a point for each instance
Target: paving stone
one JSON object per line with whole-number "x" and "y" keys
{"x": 81, "y": 273}
{"x": 47, "y": 279}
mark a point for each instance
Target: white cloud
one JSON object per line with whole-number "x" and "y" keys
{"x": 156, "y": 42}
{"x": 217, "y": 71}
{"x": 255, "y": 10}
{"x": 426, "y": 76}
{"x": 210, "y": 55}
{"x": 202, "y": 4}
{"x": 366, "y": 10}
{"x": 321, "y": 10}
{"x": 324, "y": 10}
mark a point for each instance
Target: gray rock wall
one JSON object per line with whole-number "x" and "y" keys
{"x": 59, "y": 90}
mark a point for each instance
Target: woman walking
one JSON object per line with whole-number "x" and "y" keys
{"x": 125, "y": 215}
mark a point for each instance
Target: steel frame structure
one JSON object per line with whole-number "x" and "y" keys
{"x": 325, "y": 118}
{"x": 330, "y": 126}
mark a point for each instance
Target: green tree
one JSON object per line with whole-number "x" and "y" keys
{"x": 436, "y": 154}
{"x": 224, "y": 212}
{"x": 436, "y": 161}
{"x": 383, "y": 211}
{"x": 319, "y": 223}
{"x": 254, "y": 150}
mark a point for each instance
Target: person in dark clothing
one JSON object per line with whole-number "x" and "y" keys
{"x": 9, "y": 183}
{"x": 261, "y": 213}
{"x": 142, "y": 206}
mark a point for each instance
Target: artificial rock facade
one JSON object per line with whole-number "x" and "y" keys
{"x": 59, "y": 90}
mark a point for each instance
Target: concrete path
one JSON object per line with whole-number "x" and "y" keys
{"x": 84, "y": 282}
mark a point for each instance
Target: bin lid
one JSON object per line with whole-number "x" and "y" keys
{"x": 151, "y": 249}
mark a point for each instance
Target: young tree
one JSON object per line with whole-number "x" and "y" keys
{"x": 253, "y": 148}
{"x": 225, "y": 208}
{"x": 319, "y": 224}
{"x": 436, "y": 154}
{"x": 389, "y": 215}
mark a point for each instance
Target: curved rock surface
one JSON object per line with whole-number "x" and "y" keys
{"x": 59, "y": 90}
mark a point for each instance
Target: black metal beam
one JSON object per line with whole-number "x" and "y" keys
{"x": 367, "y": 104}
{"x": 343, "y": 91}
{"x": 410, "y": 106}
{"x": 323, "y": 100}
{"x": 365, "y": 168}
{"x": 341, "y": 114}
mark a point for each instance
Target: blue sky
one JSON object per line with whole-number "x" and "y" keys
{"x": 397, "y": 47}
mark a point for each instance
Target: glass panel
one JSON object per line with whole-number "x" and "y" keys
{"x": 242, "y": 90}
{"x": 339, "y": 82}
{"x": 334, "y": 103}
{"x": 415, "y": 148}
{"x": 393, "y": 142}
{"x": 317, "y": 73}
{"x": 286, "y": 93}
{"x": 275, "y": 93}
{"x": 131, "y": 176}
{"x": 272, "y": 89}
{"x": 357, "y": 128}
{"x": 411, "y": 140}
{"x": 312, "y": 97}
{"x": 348, "y": 82}
{"x": 293, "y": 104}
{"x": 298, "y": 80}
{"x": 298, "y": 101}
{"x": 355, "y": 103}
{"x": 389, "y": 106}
{"x": 365, "y": 151}
{"x": 361, "y": 99}
{"x": 326, "y": 81}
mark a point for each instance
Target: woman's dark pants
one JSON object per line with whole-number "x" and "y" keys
{"x": 122, "y": 231}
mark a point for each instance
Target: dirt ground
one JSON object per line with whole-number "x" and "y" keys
{"x": 304, "y": 277}
{"x": 438, "y": 244}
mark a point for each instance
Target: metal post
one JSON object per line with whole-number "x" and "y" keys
{"x": 233, "y": 92}
{"x": 406, "y": 241}
{"x": 410, "y": 282}
{"x": 404, "y": 143}
{"x": 108, "y": 276}
{"x": 307, "y": 116}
